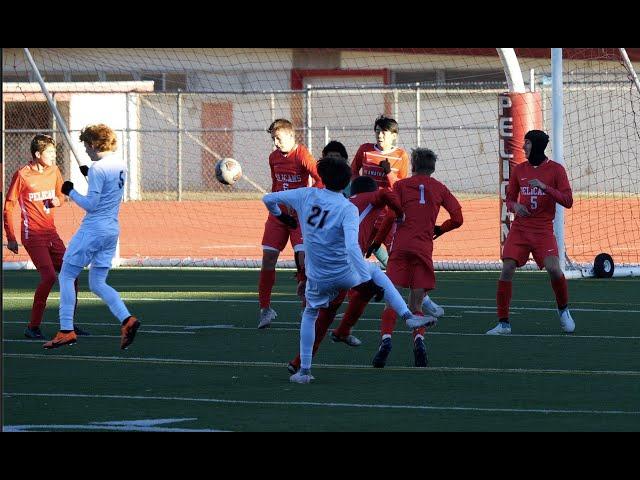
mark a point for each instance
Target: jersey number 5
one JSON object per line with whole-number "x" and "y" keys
{"x": 121, "y": 182}
{"x": 317, "y": 212}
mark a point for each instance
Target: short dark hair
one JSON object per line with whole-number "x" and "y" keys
{"x": 363, "y": 184}
{"x": 386, "y": 124}
{"x": 334, "y": 172}
{"x": 40, "y": 142}
{"x": 423, "y": 160}
{"x": 335, "y": 147}
{"x": 280, "y": 124}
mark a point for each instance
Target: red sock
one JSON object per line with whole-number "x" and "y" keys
{"x": 356, "y": 308}
{"x": 420, "y": 330}
{"x": 388, "y": 323}
{"x": 267, "y": 280}
{"x": 561, "y": 290}
{"x": 503, "y": 299}
{"x": 323, "y": 322}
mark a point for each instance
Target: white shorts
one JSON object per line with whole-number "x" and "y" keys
{"x": 320, "y": 294}
{"x": 90, "y": 247}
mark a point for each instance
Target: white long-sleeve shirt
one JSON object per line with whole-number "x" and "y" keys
{"x": 329, "y": 225}
{"x": 106, "y": 187}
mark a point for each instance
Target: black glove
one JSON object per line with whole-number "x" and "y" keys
{"x": 67, "y": 187}
{"x": 288, "y": 220}
{"x": 372, "y": 249}
{"x": 372, "y": 289}
{"x": 85, "y": 170}
{"x": 386, "y": 166}
{"x": 437, "y": 231}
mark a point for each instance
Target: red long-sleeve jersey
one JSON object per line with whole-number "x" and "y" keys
{"x": 541, "y": 204}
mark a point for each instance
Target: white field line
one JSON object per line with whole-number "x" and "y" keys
{"x": 148, "y": 299}
{"x": 294, "y": 324}
{"x": 545, "y": 411}
{"x": 230, "y": 363}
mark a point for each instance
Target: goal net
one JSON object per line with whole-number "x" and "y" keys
{"x": 177, "y": 111}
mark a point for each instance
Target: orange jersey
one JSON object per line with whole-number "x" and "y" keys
{"x": 292, "y": 170}
{"x": 368, "y": 158}
{"x": 32, "y": 191}
{"x": 421, "y": 198}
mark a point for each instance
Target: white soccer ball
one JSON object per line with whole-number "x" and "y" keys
{"x": 228, "y": 171}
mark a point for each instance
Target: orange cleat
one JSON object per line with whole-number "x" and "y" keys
{"x": 129, "y": 329}
{"x": 61, "y": 339}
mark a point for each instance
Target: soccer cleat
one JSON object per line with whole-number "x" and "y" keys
{"x": 566, "y": 322}
{"x": 128, "y": 332}
{"x": 380, "y": 360}
{"x": 34, "y": 333}
{"x": 500, "y": 329}
{"x": 349, "y": 340}
{"x": 265, "y": 317}
{"x": 419, "y": 353}
{"x": 417, "y": 321}
{"x": 80, "y": 332}
{"x": 61, "y": 339}
{"x": 300, "y": 378}
{"x": 432, "y": 308}
{"x": 292, "y": 368}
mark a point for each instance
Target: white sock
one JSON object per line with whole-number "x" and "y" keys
{"x": 391, "y": 295}
{"x": 66, "y": 279}
{"x": 98, "y": 285}
{"x": 307, "y": 336}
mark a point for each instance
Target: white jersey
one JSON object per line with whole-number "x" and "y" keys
{"x": 329, "y": 225}
{"x": 106, "y": 186}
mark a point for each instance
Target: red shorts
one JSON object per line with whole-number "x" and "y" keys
{"x": 277, "y": 233}
{"x": 410, "y": 270}
{"x": 520, "y": 243}
{"x": 45, "y": 252}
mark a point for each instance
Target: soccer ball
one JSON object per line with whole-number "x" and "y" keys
{"x": 228, "y": 171}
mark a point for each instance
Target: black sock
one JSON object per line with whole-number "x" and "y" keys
{"x": 504, "y": 320}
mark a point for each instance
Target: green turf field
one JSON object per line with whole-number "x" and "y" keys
{"x": 199, "y": 363}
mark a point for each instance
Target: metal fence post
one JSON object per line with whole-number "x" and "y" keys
{"x": 179, "y": 169}
{"x": 308, "y": 126}
{"x": 418, "y": 123}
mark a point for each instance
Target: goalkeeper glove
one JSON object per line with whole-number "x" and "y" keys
{"x": 370, "y": 288}
{"x": 437, "y": 231}
{"x": 386, "y": 166}
{"x": 85, "y": 170}
{"x": 372, "y": 248}
{"x": 288, "y": 220}
{"x": 67, "y": 187}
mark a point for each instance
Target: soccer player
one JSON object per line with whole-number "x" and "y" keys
{"x": 95, "y": 241}
{"x": 386, "y": 163}
{"x": 291, "y": 166}
{"x": 369, "y": 201}
{"x": 411, "y": 263}
{"x": 36, "y": 190}
{"x": 534, "y": 189}
{"x": 333, "y": 261}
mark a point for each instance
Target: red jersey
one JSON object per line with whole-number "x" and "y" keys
{"x": 541, "y": 204}
{"x": 368, "y": 158}
{"x": 420, "y": 198}
{"x": 370, "y": 206}
{"x": 32, "y": 191}
{"x": 292, "y": 170}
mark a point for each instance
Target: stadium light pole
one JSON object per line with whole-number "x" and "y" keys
{"x": 558, "y": 143}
